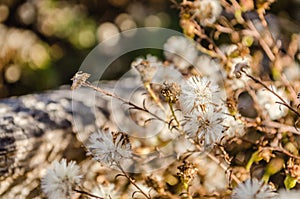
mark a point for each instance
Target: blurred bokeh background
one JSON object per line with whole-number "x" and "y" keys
{"x": 43, "y": 42}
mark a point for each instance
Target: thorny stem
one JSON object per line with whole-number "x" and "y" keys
{"x": 86, "y": 193}
{"x": 270, "y": 90}
{"x": 132, "y": 181}
{"x": 87, "y": 84}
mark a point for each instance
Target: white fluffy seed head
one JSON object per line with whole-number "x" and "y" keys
{"x": 253, "y": 189}
{"x": 197, "y": 93}
{"x": 181, "y": 51}
{"x": 207, "y": 11}
{"x": 109, "y": 148}
{"x": 268, "y": 101}
{"x": 146, "y": 67}
{"x": 205, "y": 125}
{"x": 60, "y": 180}
{"x": 107, "y": 191}
{"x": 288, "y": 194}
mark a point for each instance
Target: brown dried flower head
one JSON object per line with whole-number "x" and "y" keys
{"x": 171, "y": 91}
{"x": 265, "y": 154}
{"x": 293, "y": 168}
{"x": 187, "y": 171}
{"x": 146, "y": 71}
{"x": 79, "y": 79}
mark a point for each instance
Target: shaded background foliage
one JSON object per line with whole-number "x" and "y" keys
{"x": 43, "y": 42}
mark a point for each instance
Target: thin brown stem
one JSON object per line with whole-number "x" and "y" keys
{"x": 271, "y": 125}
{"x": 87, "y": 84}
{"x": 284, "y": 151}
{"x": 132, "y": 181}
{"x": 88, "y": 194}
{"x": 262, "y": 42}
{"x": 223, "y": 29}
{"x": 154, "y": 97}
{"x": 217, "y": 52}
{"x": 289, "y": 87}
{"x": 173, "y": 113}
{"x": 270, "y": 90}
{"x": 223, "y": 166}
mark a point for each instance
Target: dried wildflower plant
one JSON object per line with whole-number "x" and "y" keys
{"x": 232, "y": 117}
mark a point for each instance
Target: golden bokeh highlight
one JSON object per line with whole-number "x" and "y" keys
{"x": 4, "y": 12}
{"x": 106, "y": 31}
{"x": 12, "y": 73}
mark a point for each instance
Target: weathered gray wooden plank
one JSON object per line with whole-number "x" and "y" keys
{"x": 38, "y": 128}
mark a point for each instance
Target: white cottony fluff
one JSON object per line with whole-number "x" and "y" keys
{"x": 59, "y": 180}
{"x": 205, "y": 124}
{"x": 108, "y": 150}
{"x": 198, "y": 92}
{"x": 181, "y": 51}
{"x": 267, "y": 101}
{"x": 253, "y": 189}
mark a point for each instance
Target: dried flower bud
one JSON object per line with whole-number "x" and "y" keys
{"x": 187, "y": 172}
{"x": 207, "y": 12}
{"x": 124, "y": 138}
{"x": 145, "y": 71}
{"x": 171, "y": 91}
{"x": 265, "y": 154}
{"x": 231, "y": 105}
{"x": 188, "y": 27}
{"x": 293, "y": 168}
{"x": 146, "y": 67}
{"x": 235, "y": 37}
{"x": 79, "y": 79}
